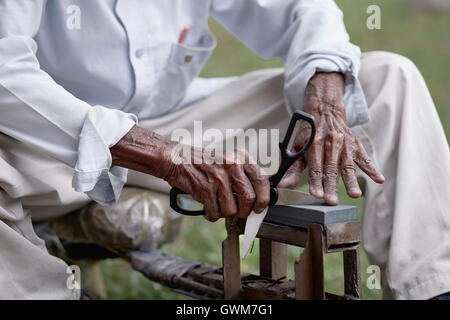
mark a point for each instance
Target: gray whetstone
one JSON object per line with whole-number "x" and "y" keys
{"x": 301, "y": 216}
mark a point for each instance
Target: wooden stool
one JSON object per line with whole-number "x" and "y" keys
{"x": 319, "y": 229}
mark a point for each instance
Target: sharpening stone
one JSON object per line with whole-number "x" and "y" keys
{"x": 301, "y": 216}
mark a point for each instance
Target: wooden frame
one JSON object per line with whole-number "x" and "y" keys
{"x": 309, "y": 267}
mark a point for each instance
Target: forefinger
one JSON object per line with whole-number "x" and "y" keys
{"x": 261, "y": 185}
{"x": 315, "y": 160}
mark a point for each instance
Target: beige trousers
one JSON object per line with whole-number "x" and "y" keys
{"x": 406, "y": 220}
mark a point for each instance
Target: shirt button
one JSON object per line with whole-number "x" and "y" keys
{"x": 139, "y": 53}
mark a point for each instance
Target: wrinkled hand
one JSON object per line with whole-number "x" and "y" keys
{"x": 208, "y": 178}
{"x": 212, "y": 179}
{"x": 335, "y": 148}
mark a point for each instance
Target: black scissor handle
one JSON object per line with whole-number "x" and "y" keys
{"x": 175, "y": 192}
{"x": 287, "y": 156}
{"x": 287, "y": 159}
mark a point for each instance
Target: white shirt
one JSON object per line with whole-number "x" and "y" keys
{"x": 75, "y": 75}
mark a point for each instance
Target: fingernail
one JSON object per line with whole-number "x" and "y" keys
{"x": 332, "y": 200}
{"x": 379, "y": 178}
{"x": 258, "y": 210}
{"x": 355, "y": 192}
{"x": 318, "y": 193}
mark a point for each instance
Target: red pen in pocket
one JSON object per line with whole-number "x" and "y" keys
{"x": 184, "y": 34}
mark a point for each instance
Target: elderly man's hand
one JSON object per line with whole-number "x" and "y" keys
{"x": 210, "y": 178}
{"x": 335, "y": 148}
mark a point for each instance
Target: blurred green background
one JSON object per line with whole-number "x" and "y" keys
{"x": 420, "y": 35}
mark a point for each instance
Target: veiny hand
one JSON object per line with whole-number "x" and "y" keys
{"x": 335, "y": 148}
{"x": 208, "y": 178}
{"x": 215, "y": 177}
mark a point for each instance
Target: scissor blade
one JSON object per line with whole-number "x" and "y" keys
{"x": 289, "y": 196}
{"x": 254, "y": 221}
{"x": 252, "y": 225}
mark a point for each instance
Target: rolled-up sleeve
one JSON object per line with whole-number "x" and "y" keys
{"x": 94, "y": 173}
{"x": 37, "y": 111}
{"x": 308, "y": 35}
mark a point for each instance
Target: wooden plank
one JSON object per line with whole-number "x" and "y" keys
{"x": 352, "y": 273}
{"x": 343, "y": 233}
{"x": 231, "y": 263}
{"x": 309, "y": 273}
{"x": 283, "y": 234}
{"x": 236, "y": 224}
{"x": 342, "y": 248}
{"x": 272, "y": 259}
{"x": 199, "y": 288}
{"x": 212, "y": 278}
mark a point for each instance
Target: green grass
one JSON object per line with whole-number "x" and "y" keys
{"x": 421, "y": 37}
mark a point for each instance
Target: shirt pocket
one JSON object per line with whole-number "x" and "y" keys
{"x": 184, "y": 63}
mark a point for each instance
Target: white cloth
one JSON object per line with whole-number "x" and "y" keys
{"x": 406, "y": 223}
{"x": 59, "y": 58}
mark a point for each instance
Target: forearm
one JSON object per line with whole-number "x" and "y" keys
{"x": 145, "y": 151}
{"x": 322, "y": 45}
{"x": 327, "y": 86}
{"x": 325, "y": 93}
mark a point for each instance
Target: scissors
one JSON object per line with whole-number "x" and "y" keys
{"x": 278, "y": 196}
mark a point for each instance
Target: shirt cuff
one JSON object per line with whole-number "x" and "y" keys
{"x": 94, "y": 173}
{"x": 354, "y": 99}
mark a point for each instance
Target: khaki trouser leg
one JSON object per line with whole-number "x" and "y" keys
{"x": 32, "y": 182}
{"x": 406, "y": 228}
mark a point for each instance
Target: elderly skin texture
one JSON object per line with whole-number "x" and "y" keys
{"x": 335, "y": 148}
{"x": 210, "y": 180}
